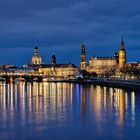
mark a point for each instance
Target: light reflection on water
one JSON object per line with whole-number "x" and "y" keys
{"x": 67, "y": 111}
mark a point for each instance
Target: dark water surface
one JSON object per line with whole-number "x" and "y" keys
{"x": 63, "y": 111}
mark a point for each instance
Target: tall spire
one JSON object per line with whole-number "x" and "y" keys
{"x": 83, "y": 51}
{"x": 83, "y": 57}
{"x": 122, "y": 40}
{"x": 122, "y": 54}
{"x": 122, "y": 44}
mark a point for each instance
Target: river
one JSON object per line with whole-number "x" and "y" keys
{"x": 66, "y": 111}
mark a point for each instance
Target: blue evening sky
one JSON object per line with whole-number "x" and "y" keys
{"x": 60, "y": 26}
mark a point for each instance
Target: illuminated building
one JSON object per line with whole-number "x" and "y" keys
{"x": 36, "y": 59}
{"x": 58, "y": 70}
{"x": 83, "y": 57}
{"x": 138, "y": 64}
{"x": 134, "y": 65}
{"x": 102, "y": 65}
{"x": 122, "y": 55}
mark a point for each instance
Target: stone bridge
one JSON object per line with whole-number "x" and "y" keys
{"x": 24, "y": 76}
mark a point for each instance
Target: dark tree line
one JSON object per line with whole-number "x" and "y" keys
{"x": 131, "y": 71}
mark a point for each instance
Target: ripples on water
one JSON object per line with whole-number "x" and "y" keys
{"x": 64, "y": 111}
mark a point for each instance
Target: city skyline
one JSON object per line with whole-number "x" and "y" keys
{"x": 69, "y": 69}
{"x": 64, "y": 58}
{"x": 60, "y": 28}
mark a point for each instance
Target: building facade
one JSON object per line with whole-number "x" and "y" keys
{"x": 63, "y": 71}
{"x": 102, "y": 65}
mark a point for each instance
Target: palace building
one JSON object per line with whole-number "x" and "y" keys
{"x": 102, "y": 65}
{"x": 63, "y": 71}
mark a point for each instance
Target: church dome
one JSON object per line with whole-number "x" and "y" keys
{"x": 36, "y": 59}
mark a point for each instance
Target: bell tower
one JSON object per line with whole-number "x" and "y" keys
{"x": 83, "y": 57}
{"x": 122, "y": 55}
{"x": 53, "y": 61}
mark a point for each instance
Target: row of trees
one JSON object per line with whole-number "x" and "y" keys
{"x": 131, "y": 72}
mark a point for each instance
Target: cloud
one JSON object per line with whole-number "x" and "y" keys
{"x": 63, "y": 25}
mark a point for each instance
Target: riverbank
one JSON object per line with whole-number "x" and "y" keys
{"x": 108, "y": 82}
{"x": 126, "y": 84}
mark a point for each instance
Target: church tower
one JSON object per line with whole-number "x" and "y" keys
{"x": 122, "y": 55}
{"x": 83, "y": 57}
{"x": 53, "y": 61}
